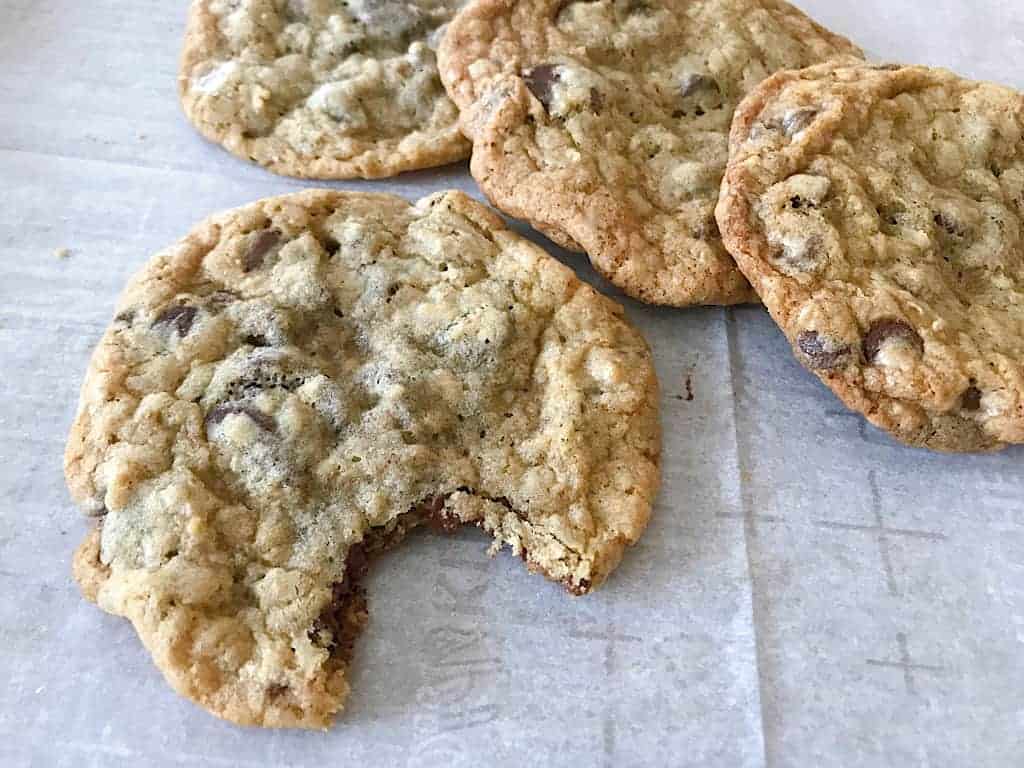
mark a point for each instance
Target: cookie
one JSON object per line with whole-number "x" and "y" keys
{"x": 319, "y": 88}
{"x": 298, "y": 383}
{"x": 878, "y": 212}
{"x": 605, "y": 124}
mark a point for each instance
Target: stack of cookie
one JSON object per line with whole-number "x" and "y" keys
{"x": 294, "y": 386}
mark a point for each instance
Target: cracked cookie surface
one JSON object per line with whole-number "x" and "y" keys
{"x": 326, "y": 89}
{"x": 289, "y": 389}
{"x": 878, "y": 213}
{"x": 605, "y": 124}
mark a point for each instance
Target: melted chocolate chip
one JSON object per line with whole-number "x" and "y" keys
{"x": 540, "y": 80}
{"x": 437, "y": 517}
{"x": 345, "y": 616}
{"x": 971, "y": 399}
{"x": 798, "y": 120}
{"x": 222, "y": 411}
{"x": 820, "y": 353}
{"x": 883, "y": 331}
{"x": 596, "y": 101}
{"x": 264, "y": 241}
{"x": 127, "y": 317}
{"x": 179, "y": 316}
{"x": 276, "y": 690}
{"x": 356, "y": 564}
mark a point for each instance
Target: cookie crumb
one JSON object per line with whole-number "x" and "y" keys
{"x": 62, "y": 253}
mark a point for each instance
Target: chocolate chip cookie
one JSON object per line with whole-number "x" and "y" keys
{"x": 321, "y": 89}
{"x": 878, "y": 212}
{"x": 298, "y": 383}
{"x": 605, "y": 124}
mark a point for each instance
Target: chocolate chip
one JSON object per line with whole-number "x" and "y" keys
{"x": 356, "y": 564}
{"x": 345, "y": 616}
{"x": 264, "y": 241}
{"x": 798, "y": 120}
{"x": 180, "y": 316}
{"x": 799, "y": 256}
{"x": 971, "y": 399}
{"x": 883, "y": 331}
{"x": 540, "y": 80}
{"x": 699, "y": 93}
{"x": 596, "y": 101}
{"x": 256, "y": 340}
{"x": 222, "y": 411}
{"x": 433, "y": 511}
{"x": 567, "y": 3}
{"x": 579, "y": 588}
{"x": 276, "y": 690}
{"x": 694, "y": 83}
{"x": 949, "y": 225}
{"x": 127, "y": 317}
{"x": 218, "y": 300}
{"x": 822, "y": 353}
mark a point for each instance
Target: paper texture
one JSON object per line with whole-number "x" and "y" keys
{"x": 807, "y": 594}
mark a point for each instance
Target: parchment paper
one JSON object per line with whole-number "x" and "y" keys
{"x": 808, "y": 594}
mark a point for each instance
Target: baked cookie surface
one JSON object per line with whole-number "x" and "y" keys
{"x": 605, "y": 124}
{"x": 321, "y": 89}
{"x": 296, "y": 384}
{"x": 878, "y": 213}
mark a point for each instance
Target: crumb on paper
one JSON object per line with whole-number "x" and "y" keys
{"x": 688, "y": 397}
{"x": 62, "y": 253}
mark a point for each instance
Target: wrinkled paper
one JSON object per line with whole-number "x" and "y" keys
{"x": 808, "y": 593}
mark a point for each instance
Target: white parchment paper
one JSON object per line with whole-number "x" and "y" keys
{"x": 809, "y": 593}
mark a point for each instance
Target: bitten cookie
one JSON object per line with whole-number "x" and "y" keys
{"x": 878, "y": 211}
{"x": 296, "y": 384}
{"x": 605, "y": 124}
{"x": 320, "y": 88}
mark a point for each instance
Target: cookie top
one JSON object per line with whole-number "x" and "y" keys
{"x": 298, "y": 382}
{"x": 878, "y": 212}
{"x": 605, "y": 124}
{"x": 323, "y": 89}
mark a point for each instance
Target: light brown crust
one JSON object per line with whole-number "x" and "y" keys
{"x": 298, "y": 382}
{"x": 624, "y": 167}
{"x": 915, "y": 302}
{"x": 301, "y": 142}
